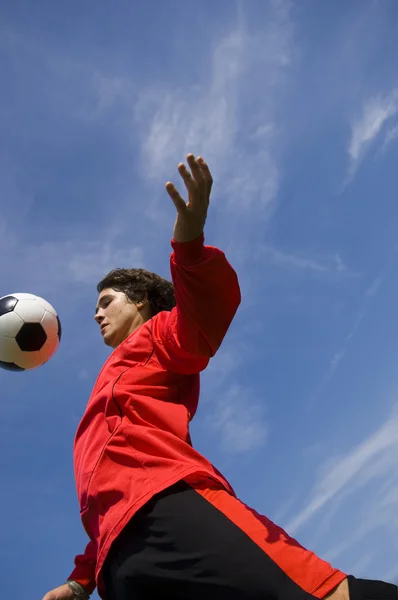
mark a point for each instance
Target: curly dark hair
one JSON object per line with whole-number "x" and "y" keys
{"x": 138, "y": 284}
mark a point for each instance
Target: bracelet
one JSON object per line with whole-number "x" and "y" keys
{"x": 78, "y": 590}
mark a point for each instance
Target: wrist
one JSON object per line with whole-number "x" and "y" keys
{"x": 78, "y": 590}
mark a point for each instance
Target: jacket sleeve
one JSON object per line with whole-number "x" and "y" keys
{"x": 207, "y": 297}
{"x": 84, "y": 571}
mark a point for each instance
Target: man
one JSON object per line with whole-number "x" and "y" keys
{"x": 162, "y": 521}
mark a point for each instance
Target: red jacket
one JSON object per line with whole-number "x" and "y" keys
{"x": 133, "y": 440}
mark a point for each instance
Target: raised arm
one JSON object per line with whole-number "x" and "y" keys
{"x": 206, "y": 286}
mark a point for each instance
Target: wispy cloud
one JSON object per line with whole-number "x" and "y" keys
{"x": 301, "y": 261}
{"x": 111, "y": 92}
{"x": 235, "y": 414}
{"x": 391, "y": 135}
{"x": 51, "y": 266}
{"x": 366, "y": 128}
{"x": 208, "y": 117}
{"x": 91, "y": 261}
{"x": 229, "y": 359}
{"x": 238, "y": 418}
{"x": 367, "y": 300}
{"x": 161, "y": 123}
{"x": 374, "y": 492}
{"x": 343, "y": 475}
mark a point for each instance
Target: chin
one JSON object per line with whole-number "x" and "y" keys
{"x": 108, "y": 340}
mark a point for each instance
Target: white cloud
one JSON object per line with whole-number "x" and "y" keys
{"x": 210, "y": 116}
{"x": 368, "y": 462}
{"x": 366, "y": 128}
{"x": 90, "y": 261}
{"x": 339, "y": 355}
{"x": 54, "y": 265}
{"x": 324, "y": 264}
{"x": 228, "y": 360}
{"x": 391, "y": 135}
{"x": 239, "y": 420}
{"x": 361, "y": 566}
{"x": 110, "y": 90}
{"x": 216, "y": 116}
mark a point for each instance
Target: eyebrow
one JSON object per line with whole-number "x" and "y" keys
{"x": 102, "y": 300}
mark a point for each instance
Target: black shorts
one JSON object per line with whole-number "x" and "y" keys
{"x": 182, "y": 546}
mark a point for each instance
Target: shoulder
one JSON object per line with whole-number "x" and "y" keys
{"x": 162, "y": 323}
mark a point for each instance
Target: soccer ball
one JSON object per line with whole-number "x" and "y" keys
{"x": 30, "y": 332}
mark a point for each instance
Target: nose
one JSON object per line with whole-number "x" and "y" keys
{"x": 99, "y": 317}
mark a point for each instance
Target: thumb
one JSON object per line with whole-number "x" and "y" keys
{"x": 178, "y": 201}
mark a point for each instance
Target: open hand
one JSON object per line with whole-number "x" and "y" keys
{"x": 191, "y": 215}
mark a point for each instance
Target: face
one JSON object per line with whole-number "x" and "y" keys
{"x": 118, "y": 317}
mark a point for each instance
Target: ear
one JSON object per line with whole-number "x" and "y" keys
{"x": 142, "y": 303}
{"x": 144, "y": 309}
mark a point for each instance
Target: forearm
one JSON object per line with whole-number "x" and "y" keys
{"x": 84, "y": 571}
{"x": 207, "y": 295}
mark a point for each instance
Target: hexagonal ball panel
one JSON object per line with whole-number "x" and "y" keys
{"x": 30, "y": 311}
{"x": 31, "y": 337}
{"x": 7, "y": 304}
{"x": 10, "y": 324}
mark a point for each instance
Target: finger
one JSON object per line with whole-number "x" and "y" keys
{"x": 178, "y": 201}
{"x": 195, "y": 168}
{"x": 189, "y": 181}
{"x": 205, "y": 170}
{"x": 206, "y": 173}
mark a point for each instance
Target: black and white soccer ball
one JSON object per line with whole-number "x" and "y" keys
{"x": 30, "y": 332}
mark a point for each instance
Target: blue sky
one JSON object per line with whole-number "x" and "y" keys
{"x": 295, "y": 107}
